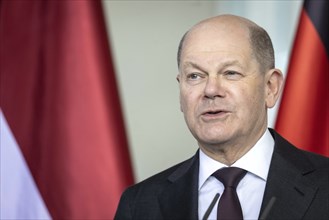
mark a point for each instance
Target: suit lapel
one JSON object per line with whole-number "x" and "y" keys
{"x": 180, "y": 199}
{"x": 287, "y": 182}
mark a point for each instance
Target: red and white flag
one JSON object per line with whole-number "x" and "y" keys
{"x": 303, "y": 116}
{"x": 64, "y": 151}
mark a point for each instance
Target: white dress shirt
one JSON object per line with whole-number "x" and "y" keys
{"x": 250, "y": 189}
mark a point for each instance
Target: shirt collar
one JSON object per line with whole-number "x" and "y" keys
{"x": 256, "y": 160}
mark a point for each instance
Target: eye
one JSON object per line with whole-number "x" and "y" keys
{"x": 193, "y": 76}
{"x": 232, "y": 74}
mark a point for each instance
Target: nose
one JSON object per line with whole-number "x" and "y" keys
{"x": 213, "y": 88}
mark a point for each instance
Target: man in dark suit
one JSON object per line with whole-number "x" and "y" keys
{"x": 227, "y": 82}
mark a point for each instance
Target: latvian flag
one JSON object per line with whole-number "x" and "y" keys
{"x": 303, "y": 116}
{"x": 64, "y": 152}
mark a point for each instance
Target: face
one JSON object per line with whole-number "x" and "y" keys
{"x": 223, "y": 94}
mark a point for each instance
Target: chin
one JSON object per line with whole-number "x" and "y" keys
{"x": 216, "y": 140}
{"x": 215, "y": 137}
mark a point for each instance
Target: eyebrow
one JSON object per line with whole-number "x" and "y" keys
{"x": 226, "y": 64}
{"x": 192, "y": 64}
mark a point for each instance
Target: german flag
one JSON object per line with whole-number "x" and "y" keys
{"x": 303, "y": 116}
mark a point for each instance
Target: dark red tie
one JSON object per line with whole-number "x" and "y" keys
{"x": 229, "y": 205}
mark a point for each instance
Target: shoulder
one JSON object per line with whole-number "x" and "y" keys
{"x": 310, "y": 164}
{"x": 319, "y": 161}
{"x": 154, "y": 185}
{"x": 154, "y": 182}
{"x": 137, "y": 200}
{"x": 288, "y": 150}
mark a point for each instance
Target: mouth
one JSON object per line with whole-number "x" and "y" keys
{"x": 214, "y": 114}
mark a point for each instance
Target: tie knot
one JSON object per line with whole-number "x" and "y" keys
{"x": 230, "y": 176}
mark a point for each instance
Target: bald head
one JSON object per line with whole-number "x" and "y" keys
{"x": 259, "y": 41}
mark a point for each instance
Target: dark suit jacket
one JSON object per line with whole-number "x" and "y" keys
{"x": 297, "y": 179}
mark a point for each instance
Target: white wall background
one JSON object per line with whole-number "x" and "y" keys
{"x": 144, "y": 36}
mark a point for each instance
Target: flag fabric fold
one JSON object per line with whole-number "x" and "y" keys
{"x": 303, "y": 116}
{"x": 60, "y": 98}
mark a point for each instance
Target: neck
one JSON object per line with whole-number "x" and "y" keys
{"x": 228, "y": 153}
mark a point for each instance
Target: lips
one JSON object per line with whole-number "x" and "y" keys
{"x": 214, "y": 114}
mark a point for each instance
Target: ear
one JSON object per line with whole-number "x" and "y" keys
{"x": 180, "y": 98}
{"x": 274, "y": 83}
{"x": 178, "y": 78}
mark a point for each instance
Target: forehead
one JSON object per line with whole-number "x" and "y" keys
{"x": 217, "y": 38}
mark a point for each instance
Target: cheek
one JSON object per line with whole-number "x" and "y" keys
{"x": 183, "y": 98}
{"x": 255, "y": 103}
{"x": 251, "y": 100}
{"x": 185, "y": 103}
{"x": 188, "y": 102}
